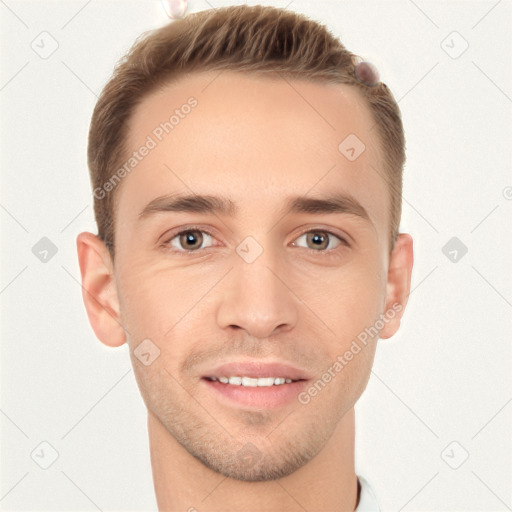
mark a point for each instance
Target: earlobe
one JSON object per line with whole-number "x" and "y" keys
{"x": 398, "y": 285}
{"x": 99, "y": 291}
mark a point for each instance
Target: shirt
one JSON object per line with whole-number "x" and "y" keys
{"x": 367, "y": 499}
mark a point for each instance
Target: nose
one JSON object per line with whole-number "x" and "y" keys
{"x": 257, "y": 298}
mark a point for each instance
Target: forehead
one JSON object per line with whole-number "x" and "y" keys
{"x": 255, "y": 138}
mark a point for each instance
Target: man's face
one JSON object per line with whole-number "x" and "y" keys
{"x": 295, "y": 294}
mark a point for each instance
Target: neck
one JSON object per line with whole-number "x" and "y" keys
{"x": 327, "y": 482}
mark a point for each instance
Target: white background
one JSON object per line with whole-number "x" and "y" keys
{"x": 445, "y": 377}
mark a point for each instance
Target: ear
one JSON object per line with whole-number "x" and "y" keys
{"x": 99, "y": 291}
{"x": 398, "y": 285}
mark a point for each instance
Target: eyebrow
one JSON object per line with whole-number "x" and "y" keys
{"x": 218, "y": 205}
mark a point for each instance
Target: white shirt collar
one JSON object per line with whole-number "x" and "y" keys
{"x": 367, "y": 499}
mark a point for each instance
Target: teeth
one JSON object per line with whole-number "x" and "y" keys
{"x": 253, "y": 382}
{"x": 248, "y": 381}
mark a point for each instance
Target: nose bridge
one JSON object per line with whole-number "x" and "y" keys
{"x": 256, "y": 297}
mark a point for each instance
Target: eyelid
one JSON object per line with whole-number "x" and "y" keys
{"x": 184, "y": 229}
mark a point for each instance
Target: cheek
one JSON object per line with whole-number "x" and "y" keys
{"x": 157, "y": 384}
{"x": 166, "y": 305}
{"x": 341, "y": 383}
{"x": 148, "y": 301}
{"x": 347, "y": 299}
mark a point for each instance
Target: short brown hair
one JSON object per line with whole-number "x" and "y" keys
{"x": 241, "y": 38}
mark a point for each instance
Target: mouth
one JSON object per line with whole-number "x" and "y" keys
{"x": 256, "y": 384}
{"x": 252, "y": 382}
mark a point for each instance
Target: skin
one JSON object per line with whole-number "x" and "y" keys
{"x": 257, "y": 141}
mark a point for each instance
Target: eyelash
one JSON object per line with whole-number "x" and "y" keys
{"x": 323, "y": 252}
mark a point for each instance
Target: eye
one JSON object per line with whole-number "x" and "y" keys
{"x": 321, "y": 240}
{"x": 190, "y": 240}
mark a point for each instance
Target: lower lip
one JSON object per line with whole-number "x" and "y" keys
{"x": 267, "y": 397}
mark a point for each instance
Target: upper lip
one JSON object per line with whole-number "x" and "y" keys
{"x": 256, "y": 369}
